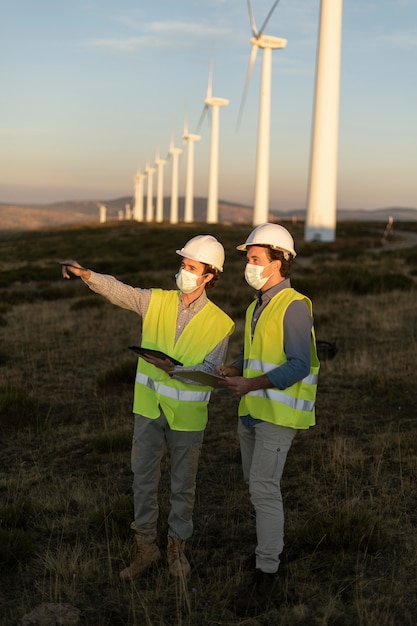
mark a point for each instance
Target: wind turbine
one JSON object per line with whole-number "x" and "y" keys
{"x": 174, "y": 153}
{"x": 138, "y": 189}
{"x": 267, "y": 43}
{"x": 213, "y": 186}
{"x": 149, "y": 196}
{"x": 189, "y": 139}
{"x": 160, "y": 164}
{"x": 103, "y": 212}
{"x": 321, "y": 204}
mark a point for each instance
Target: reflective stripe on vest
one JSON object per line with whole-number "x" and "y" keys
{"x": 172, "y": 392}
{"x": 264, "y": 368}
{"x": 275, "y": 395}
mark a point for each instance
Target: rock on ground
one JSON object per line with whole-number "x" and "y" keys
{"x": 50, "y": 614}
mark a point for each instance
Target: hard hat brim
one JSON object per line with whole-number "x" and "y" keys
{"x": 187, "y": 255}
{"x": 245, "y": 246}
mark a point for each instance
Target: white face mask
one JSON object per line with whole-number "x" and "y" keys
{"x": 254, "y": 275}
{"x": 187, "y": 281}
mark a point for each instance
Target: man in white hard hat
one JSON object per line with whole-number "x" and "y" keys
{"x": 169, "y": 412}
{"x": 276, "y": 377}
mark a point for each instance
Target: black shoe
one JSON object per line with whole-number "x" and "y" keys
{"x": 258, "y": 595}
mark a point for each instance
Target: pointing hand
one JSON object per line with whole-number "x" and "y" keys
{"x": 75, "y": 268}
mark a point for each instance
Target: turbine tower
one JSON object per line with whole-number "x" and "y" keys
{"x": 149, "y": 197}
{"x": 322, "y": 190}
{"x": 160, "y": 164}
{"x": 103, "y": 213}
{"x": 189, "y": 139}
{"x": 213, "y": 186}
{"x": 174, "y": 154}
{"x": 138, "y": 187}
{"x": 267, "y": 43}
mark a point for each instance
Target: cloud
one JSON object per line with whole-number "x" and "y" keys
{"x": 191, "y": 29}
{"x": 160, "y": 35}
{"x": 399, "y": 40}
{"x": 129, "y": 44}
{"x": 21, "y": 131}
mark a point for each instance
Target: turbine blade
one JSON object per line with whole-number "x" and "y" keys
{"x": 210, "y": 81}
{"x": 171, "y": 145}
{"x": 267, "y": 19}
{"x": 252, "y": 60}
{"x": 252, "y": 19}
{"x": 202, "y": 116}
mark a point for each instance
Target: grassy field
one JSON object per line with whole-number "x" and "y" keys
{"x": 66, "y": 382}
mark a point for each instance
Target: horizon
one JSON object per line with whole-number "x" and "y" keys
{"x": 181, "y": 199}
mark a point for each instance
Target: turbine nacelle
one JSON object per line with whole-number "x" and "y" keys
{"x": 216, "y": 102}
{"x": 268, "y": 41}
{"x": 191, "y": 137}
{"x": 172, "y": 150}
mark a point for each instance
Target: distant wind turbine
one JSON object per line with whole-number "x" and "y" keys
{"x": 138, "y": 189}
{"x": 103, "y": 213}
{"x": 189, "y": 139}
{"x": 267, "y": 43}
{"x": 174, "y": 153}
{"x": 321, "y": 204}
{"x": 160, "y": 164}
{"x": 213, "y": 186}
{"x": 149, "y": 195}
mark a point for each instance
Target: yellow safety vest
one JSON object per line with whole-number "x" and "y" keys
{"x": 184, "y": 404}
{"x": 294, "y": 406}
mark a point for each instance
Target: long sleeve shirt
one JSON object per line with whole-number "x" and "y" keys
{"x": 137, "y": 300}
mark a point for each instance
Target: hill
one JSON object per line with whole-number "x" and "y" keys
{"x": 21, "y": 217}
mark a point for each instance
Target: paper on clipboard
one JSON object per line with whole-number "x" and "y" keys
{"x": 204, "y": 378}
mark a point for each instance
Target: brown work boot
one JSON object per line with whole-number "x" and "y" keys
{"x": 177, "y": 561}
{"x": 144, "y": 556}
{"x": 256, "y": 597}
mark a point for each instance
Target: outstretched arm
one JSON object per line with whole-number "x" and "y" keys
{"x": 118, "y": 293}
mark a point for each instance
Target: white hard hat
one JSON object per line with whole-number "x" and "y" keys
{"x": 206, "y": 249}
{"x": 272, "y": 235}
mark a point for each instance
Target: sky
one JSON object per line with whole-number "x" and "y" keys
{"x": 92, "y": 90}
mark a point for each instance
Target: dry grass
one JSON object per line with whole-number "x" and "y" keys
{"x": 349, "y": 483}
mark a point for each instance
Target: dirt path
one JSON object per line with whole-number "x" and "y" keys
{"x": 402, "y": 239}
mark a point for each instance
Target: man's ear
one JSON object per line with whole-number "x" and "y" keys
{"x": 279, "y": 264}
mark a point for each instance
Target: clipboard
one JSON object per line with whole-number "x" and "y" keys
{"x": 156, "y": 353}
{"x": 204, "y": 378}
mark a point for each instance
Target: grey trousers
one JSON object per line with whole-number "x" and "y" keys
{"x": 151, "y": 438}
{"x": 264, "y": 449}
